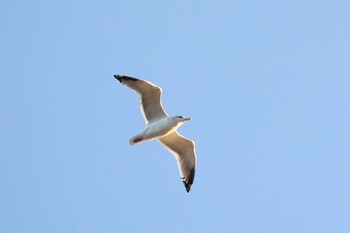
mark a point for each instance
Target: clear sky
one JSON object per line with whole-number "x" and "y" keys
{"x": 266, "y": 83}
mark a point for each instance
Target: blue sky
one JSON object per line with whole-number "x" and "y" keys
{"x": 266, "y": 83}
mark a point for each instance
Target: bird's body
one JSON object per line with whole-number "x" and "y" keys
{"x": 160, "y": 128}
{"x": 163, "y": 127}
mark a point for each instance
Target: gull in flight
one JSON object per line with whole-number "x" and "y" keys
{"x": 162, "y": 127}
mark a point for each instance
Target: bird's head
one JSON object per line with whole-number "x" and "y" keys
{"x": 181, "y": 119}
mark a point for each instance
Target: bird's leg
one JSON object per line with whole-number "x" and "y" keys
{"x": 136, "y": 139}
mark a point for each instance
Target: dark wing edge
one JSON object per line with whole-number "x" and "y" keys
{"x": 122, "y": 78}
{"x": 188, "y": 183}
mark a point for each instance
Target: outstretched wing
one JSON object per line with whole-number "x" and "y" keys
{"x": 184, "y": 151}
{"x": 150, "y": 95}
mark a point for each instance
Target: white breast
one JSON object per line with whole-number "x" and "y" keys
{"x": 159, "y": 128}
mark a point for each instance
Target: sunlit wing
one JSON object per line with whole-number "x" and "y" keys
{"x": 184, "y": 151}
{"x": 150, "y": 96}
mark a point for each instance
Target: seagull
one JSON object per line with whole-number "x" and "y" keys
{"x": 161, "y": 126}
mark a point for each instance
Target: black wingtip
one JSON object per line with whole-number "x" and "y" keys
{"x": 122, "y": 78}
{"x": 119, "y": 77}
{"x": 189, "y": 182}
{"x": 188, "y": 188}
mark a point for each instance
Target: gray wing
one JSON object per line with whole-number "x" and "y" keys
{"x": 184, "y": 151}
{"x": 150, "y": 95}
